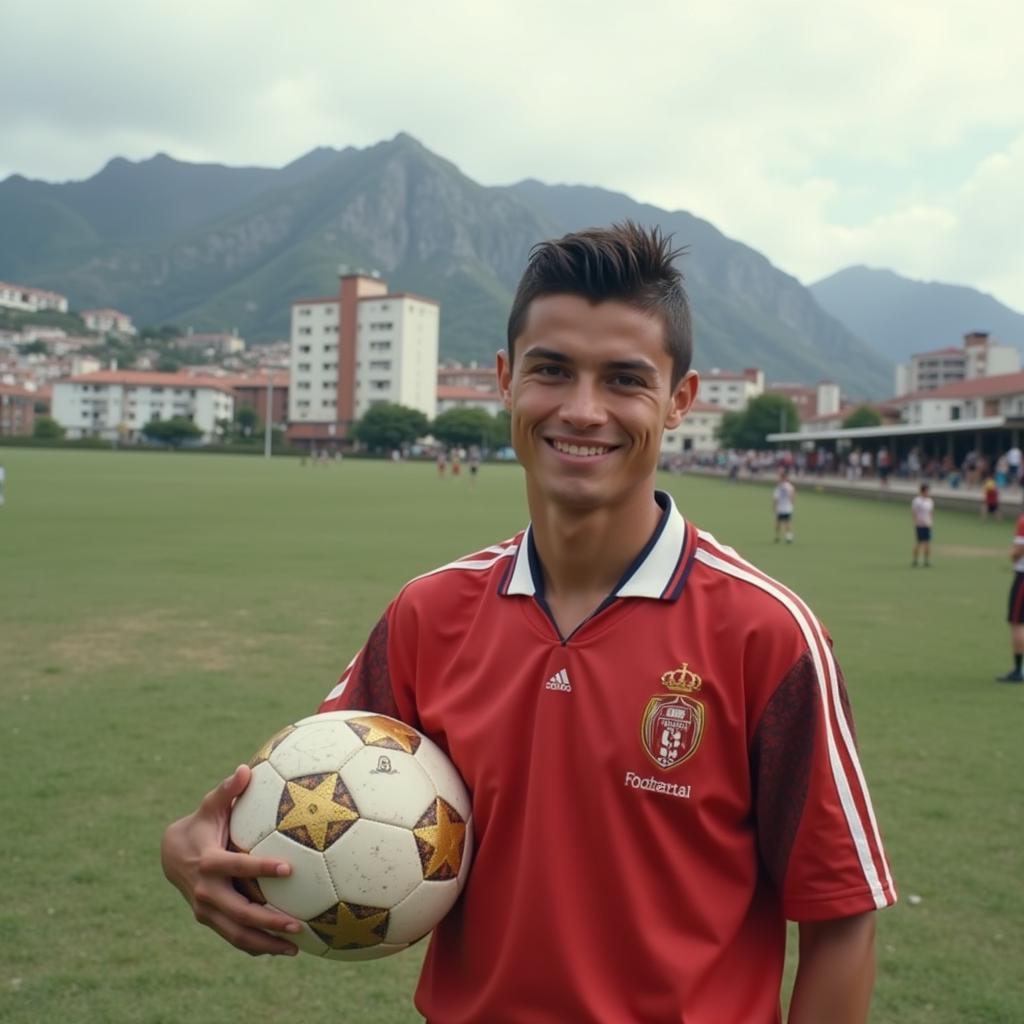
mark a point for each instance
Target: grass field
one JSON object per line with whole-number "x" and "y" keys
{"x": 161, "y": 614}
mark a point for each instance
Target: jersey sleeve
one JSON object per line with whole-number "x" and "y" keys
{"x": 816, "y": 828}
{"x": 365, "y": 685}
{"x": 382, "y": 676}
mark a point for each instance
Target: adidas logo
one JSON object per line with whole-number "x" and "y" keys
{"x": 559, "y": 681}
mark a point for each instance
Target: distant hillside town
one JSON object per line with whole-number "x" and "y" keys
{"x": 98, "y": 375}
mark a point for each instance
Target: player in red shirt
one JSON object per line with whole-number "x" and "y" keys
{"x": 1015, "y": 615}
{"x": 655, "y": 734}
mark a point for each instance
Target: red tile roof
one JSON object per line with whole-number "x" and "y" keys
{"x": 146, "y": 379}
{"x": 256, "y": 380}
{"x": 452, "y": 392}
{"x": 980, "y": 387}
{"x": 938, "y": 352}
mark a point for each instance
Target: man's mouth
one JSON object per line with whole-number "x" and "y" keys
{"x": 590, "y": 450}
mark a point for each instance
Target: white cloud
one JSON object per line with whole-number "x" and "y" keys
{"x": 763, "y": 118}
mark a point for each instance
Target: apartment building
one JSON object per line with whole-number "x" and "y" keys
{"x": 822, "y": 399}
{"x": 964, "y": 400}
{"x": 978, "y": 357}
{"x": 256, "y": 390}
{"x": 697, "y": 433}
{"x": 118, "y": 403}
{"x": 17, "y": 411}
{"x": 25, "y": 299}
{"x": 108, "y": 321}
{"x": 350, "y": 351}
{"x": 731, "y": 390}
{"x": 451, "y": 396}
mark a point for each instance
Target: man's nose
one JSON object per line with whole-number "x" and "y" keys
{"x": 583, "y": 406}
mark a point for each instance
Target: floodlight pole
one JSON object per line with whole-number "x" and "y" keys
{"x": 268, "y": 422}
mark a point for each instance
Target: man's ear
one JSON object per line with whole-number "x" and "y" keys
{"x": 504, "y": 368}
{"x": 683, "y": 397}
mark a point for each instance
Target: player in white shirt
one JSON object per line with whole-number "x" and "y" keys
{"x": 922, "y": 510}
{"x": 782, "y": 501}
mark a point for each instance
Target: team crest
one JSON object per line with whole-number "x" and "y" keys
{"x": 674, "y": 723}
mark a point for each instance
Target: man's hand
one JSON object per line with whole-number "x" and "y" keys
{"x": 196, "y": 861}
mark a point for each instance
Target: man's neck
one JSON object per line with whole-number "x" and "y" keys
{"x": 585, "y": 552}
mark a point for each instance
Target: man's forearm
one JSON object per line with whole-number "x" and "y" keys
{"x": 836, "y": 974}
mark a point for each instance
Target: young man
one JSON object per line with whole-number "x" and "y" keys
{"x": 783, "y": 498}
{"x": 646, "y": 827}
{"x": 922, "y": 510}
{"x": 1015, "y": 615}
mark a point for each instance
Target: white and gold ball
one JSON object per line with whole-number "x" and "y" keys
{"x": 375, "y": 822}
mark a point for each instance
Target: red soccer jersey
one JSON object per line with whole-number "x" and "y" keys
{"x": 653, "y": 796}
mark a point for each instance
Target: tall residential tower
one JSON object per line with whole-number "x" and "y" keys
{"x": 353, "y": 350}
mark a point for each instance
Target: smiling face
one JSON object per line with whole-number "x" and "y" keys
{"x": 590, "y": 393}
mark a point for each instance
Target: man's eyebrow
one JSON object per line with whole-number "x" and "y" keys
{"x": 539, "y": 352}
{"x": 632, "y": 364}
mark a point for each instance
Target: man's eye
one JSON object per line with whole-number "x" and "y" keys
{"x": 550, "y": 370}
{"x": 625, "y": 380}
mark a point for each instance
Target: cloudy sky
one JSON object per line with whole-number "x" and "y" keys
{"x": 823, "y": 134}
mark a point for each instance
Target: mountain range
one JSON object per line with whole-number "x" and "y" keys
{"x": 217, "y": 247}
{"x": 898, "y": 316}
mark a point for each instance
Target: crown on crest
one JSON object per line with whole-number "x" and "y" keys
{"x": 681, "y": 679}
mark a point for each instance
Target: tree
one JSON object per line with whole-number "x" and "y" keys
{"x": 173, "y": 431}
{"x": 464, "y": 426}
{"x": 863, "y": 416}
{"x": 764, "y": 415}
{"x": 387, "y": 426}
{"x": 247, "y": 420}
{"x": 33, "y": 348}
{"x": 501, "y": 430}
{"x": 168, "y": 364}
{"x": 47, "y": 428}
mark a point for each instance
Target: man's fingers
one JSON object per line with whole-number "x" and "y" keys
{"x": 229, "y": 790}
{"x": 215, "y": 894}
{"x": 227, "y": 863}
{"x": 250, "y": 940}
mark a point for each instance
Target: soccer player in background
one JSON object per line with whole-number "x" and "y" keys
{"x": 645, "y": 828}
{"x": 1015, "y": 615}
{"x": 783, "y": 503}
{"x": 922, "y": 511}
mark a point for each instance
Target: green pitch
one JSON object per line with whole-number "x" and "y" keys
{"x": 161, "y": 615}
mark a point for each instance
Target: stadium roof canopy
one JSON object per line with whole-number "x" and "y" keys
{"x": 898, "y": 430}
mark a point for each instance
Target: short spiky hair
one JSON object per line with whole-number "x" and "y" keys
{"x": 626, "y": 262}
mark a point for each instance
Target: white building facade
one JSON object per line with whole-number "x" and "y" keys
{"x": 981, "y": 398}
{"x": 451, "y": 396}
{"x": 697, "y": 433}
{"x": 313, "y": 367}
{"x": 979, "y": 357}
{"x": 357, "y": 349}
{"x": 108, "y": 321}
{"x": 117, "y": 404}
{"x": 396, "y": 353}
{"x": 25, "y": 299}
{"x": 731, "y": 390}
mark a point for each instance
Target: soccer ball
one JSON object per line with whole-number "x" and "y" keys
{"x": 375, "y": 822}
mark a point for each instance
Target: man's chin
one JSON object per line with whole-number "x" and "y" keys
{"x": 578, "y": 495}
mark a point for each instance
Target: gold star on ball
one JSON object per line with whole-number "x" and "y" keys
{"x": 350, "y": 926}
{"x": 441, "y": 838}
{"x": 270, "y": 746}
{"x": 381, "y": 731}
{"x": 315, "y": 810}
